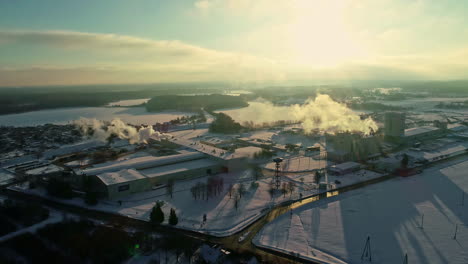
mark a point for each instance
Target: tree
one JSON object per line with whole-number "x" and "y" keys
{"x": 90, "y": 198}
{"x": 284, "y": 189}
{"x": 317, "y": 177}
{"x": 291, "y": 187}
{"x": 236, "y": 201}
{"x": 254, "y": 185}
{"x": 271, "y": 191}
{"x": 404, "y": 161}
{"x": 241, "y": 190}
{"x": 157, "y": 215}
{"x": 224, "y": 124}
{"x": 59, "y": 188}
{"x": 173, "y": 219}
{"x": 231, "y": 190}
{"x": 170, "y": 187}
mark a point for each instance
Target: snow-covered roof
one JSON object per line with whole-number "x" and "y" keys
{"x": 122, "y": 176}
{"x": 5, "y": 176}
{"x": 346, "y": 166}
{"x": 445, "y": 152}
{"x": 72, "y": 148}
{"x": 17, "y": 160}
{"x": 246, "y": 152}
{"x": 419, "y": 130}
{"x": 51, "y": 168}
{"x": 142, "y": 163}
{"x": 458, "y": 128}
{"x": 179, "y": 167}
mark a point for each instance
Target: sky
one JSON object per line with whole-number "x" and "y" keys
{"x": 61, "y": 42}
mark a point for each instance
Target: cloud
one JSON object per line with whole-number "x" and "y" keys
{"x": 94, "y": 58}
{"x": 203, "y": 4}
{"x": 71, "y": 40}
{"x": 116, "y": 57}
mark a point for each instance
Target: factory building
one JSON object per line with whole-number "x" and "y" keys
{"x": 140, "y": 163}
{"x": 422, "y": 133}
{"x": 352, "y": 147}
{"x": 180, "y": 171}
{"x": 118, "y": 179}
{"x": 344, "y": 168}
{"x": 394, "y": 126}
{"x": 121, "y": 183}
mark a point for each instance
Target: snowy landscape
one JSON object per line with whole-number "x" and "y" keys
{"x": 423, "y": 216}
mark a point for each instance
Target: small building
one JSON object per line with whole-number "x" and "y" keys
{"x": 122, "y": 183}
{"x": 344, "y": 168}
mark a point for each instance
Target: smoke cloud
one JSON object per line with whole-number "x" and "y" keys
{"x": 101, "y": 130}
{"x": 321, "y": 113}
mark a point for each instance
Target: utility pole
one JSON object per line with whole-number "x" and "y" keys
{"x": 277, "y": 162}
{"x": 422, "y": 221}
{"x": 366, "y": 252}
{"x": 456, "y": 230}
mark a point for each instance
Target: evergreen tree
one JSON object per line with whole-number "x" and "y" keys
{"x": 404, "y": 161}
{"x": 157, "y": 215}
{"x": 317, "y": 177}
{"x": 241, "y": 190}
{"x": 173, "y": 219}
{"x": 90, "y": 198}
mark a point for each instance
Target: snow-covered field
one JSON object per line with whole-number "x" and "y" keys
{"x": 417, "y": 216}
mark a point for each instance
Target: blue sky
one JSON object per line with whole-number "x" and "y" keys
{"x": 145, "y": 41}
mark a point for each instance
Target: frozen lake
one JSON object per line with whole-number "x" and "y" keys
{"x": 132, "y": 115}
{"x": 132, "y": 102}
{"x": 424, "y": 104}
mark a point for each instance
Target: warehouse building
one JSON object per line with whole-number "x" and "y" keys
{"x": 121, "y": 178}
{"x": 141, "y": 163}
{"x": 180, "y": 171}
{"x": 122, "y": 183}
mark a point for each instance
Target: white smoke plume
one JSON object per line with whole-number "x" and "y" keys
{"x": 321, "y": 113}
{"x": 101, "y": 130}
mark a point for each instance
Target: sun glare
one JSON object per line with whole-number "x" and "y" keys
{"x": 320, "y": 36}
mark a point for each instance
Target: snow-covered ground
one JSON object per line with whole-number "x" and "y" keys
{"x": 301, "y": 164}
{"x": 417, "y": 216}
{"x": 222, "y": 217}
{"x": 54, "y": 217}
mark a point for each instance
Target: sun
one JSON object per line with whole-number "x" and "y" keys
{"x": 320, "y": 36}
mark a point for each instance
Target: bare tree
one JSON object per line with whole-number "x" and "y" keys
{"x": 170, "y": 187}
{"x": 291, "y": 186}
{"x": 230, "y": 190}
{"x": 284, "y": 189}
{"x": 241, "y": 190}
{"x": 236, "y": 201}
